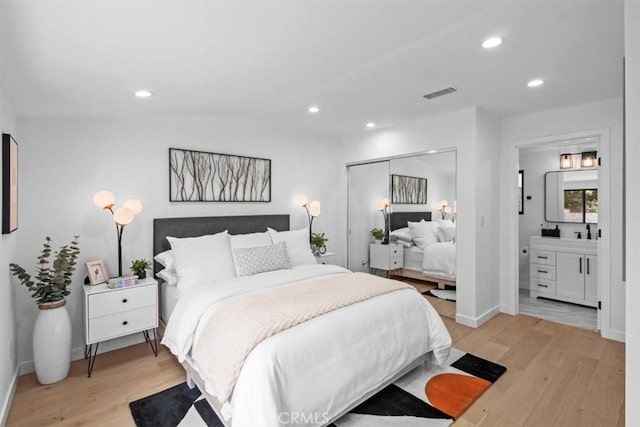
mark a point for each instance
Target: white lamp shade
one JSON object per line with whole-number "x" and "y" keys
{"x": 447, "y": 209}
{"x": 385, "y": 201}
{"x": 134, "y": 205}
{"x": 380, "y": 205}
{"x": 439, "y": 205}
{"x": 302, "y": 200}
{"x": 444, "y": 203}
{"x": 123, "y": 216}
{"x": 104, "y": 199}
{"x": 315, "y": 208}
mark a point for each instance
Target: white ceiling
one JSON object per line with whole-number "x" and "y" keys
{"x": 359, "y": 60}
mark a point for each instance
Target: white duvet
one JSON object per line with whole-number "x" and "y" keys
{"x": 316, "y": 370}
{"x": 440, "y": 259}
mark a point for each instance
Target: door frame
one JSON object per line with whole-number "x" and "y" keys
{"x": 604, "y": 221}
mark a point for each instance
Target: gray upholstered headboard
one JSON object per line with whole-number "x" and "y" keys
{"x": 199, "y": 226}
{"x": 400, "y": 219}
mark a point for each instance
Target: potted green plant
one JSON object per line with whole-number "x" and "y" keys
{"x": 377, "y": 234}
{"x": 139, "y": 267}
{"x": 318, "y": 243}
{"x": 52, "y": 329}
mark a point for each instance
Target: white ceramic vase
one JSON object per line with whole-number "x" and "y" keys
{"x": 52, "y": 342}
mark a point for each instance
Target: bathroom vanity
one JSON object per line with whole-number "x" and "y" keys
{"x": 564, "y": 269}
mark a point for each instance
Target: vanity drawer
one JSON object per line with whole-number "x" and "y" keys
{"x": 543, "y": 257}
{"x": 541, "y": 271}
{"x": 543, "y": 286}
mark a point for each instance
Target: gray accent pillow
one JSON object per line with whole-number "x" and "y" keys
{"x": 260, "y": 259}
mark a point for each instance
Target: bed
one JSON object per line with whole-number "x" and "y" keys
{"x": 435, "y": 262}
{"x": 321, "y": 368}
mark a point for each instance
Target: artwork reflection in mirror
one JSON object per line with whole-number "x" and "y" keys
{"x": 571, "y": 196}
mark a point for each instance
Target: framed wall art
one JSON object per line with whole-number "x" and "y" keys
{"x": 408, "y": 190}
{"x": 198, "y": 176}
{"x": 9, "y": 184}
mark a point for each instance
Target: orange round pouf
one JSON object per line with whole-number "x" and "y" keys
{"x": 454, "y": 393}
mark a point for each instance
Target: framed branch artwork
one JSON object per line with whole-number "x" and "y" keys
{"x": 408, "y": 190}
{"x": 9, "y": 184}
{"x": 198, "y": 176}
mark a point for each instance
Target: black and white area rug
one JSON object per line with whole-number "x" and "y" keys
{"x": 423, "y": 397}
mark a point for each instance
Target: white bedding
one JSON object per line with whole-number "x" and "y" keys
{"x": 322, "y": 366}
{"x": 440, "y": 260}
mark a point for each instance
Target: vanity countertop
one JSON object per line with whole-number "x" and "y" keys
{"x": 564, "y": 244}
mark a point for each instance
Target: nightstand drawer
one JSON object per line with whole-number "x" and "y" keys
{"x": 543, "y": 257}
{"x": 395, "y": 262}
{"x": 105, "y": 303}
{"x": 124, "y": 323}
{"x": 543, "y": 271}
{"x": 543, "y": 286}
{"x": 395, "y": 251}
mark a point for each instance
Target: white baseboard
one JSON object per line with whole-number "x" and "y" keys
{"x": 615, "y": 335}
{"x": 476, "y": 322}
{"x": 507, "y": 309}
{"x": 8, "y": 398}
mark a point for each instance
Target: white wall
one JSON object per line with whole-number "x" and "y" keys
{"x": 64, "y": 162}
{"x": 464, "y": 131}
{"x": 586, "y": 117}
{"x": 7, "y": 288}
{"x": 632, "y": 53}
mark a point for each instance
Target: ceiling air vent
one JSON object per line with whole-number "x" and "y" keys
{"x": 441, "y": 92}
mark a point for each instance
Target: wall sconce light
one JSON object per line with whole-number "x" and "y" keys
{"x": 122, "y": 216}
{"x": 566, "y": 161}
{"x": 588, "y": 159}
{"x": 313, "y": 209}
{"x": 384, "y": 206}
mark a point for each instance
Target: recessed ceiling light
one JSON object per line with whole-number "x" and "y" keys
{"x": 535, "y": 83}
{"x": 143, "y": 93}
{"x": 491, "y": 42}
{"x": 370, "y": 125}
{"x": 313, "y": 109}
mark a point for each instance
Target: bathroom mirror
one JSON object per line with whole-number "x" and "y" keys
{"x": 571, "y": 196}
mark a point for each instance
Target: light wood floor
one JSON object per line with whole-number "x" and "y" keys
{"x": 557, "y": 376}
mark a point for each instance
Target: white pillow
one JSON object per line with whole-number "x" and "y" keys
{"x": 166, "y": 259}
{"x": 169, "y": 276}
{"x": 250, "y": 240}
{"x": 445, "y": 223}
{"x": 424, "y": 233}
{"x": 446, "y": 234}
{"x": 202, "y": 260}
{"x": 297, "y": 242}
{"x": 259, "y": 259}
{"x": 402, "y": 234}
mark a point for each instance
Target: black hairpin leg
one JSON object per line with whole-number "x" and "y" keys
{"x": 91, "y": 357}
{"x": 154, "y": 343}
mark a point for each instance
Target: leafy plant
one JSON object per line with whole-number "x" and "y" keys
{"x": 377, "y": 233}
{"x": 51, "y": 282}
{"x": 140, "y": 265}
{"x": 318, "y": 239}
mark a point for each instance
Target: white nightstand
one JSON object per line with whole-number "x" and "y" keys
{"x": 326, "y": 258}
{"x": 113, "y": 313}
{"x": 385, "y": 257}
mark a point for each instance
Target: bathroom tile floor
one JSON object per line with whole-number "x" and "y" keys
{"x": 557, "y": 311}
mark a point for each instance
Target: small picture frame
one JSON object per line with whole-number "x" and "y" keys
{"x": 97, "y": 272}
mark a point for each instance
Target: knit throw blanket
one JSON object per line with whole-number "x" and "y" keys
{"x": 239, "y": 325}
